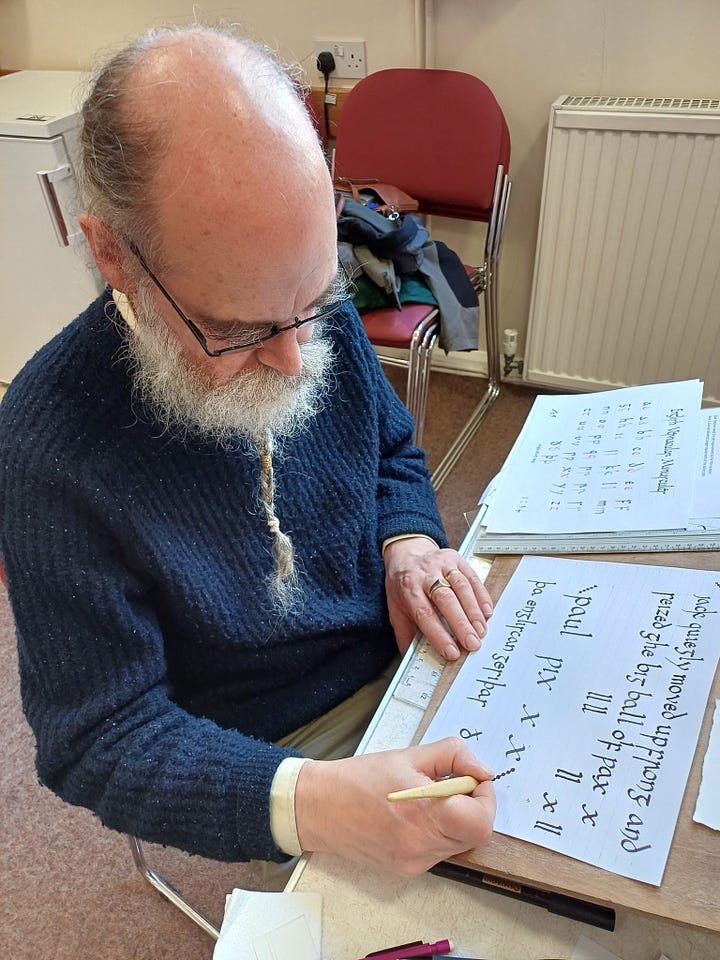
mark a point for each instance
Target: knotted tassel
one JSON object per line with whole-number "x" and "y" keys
{"x": 284, "y": 582}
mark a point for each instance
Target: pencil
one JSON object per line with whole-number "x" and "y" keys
{"x": 449, "y": 787}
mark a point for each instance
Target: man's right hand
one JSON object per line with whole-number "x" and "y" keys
{"x": 341, "y": 807}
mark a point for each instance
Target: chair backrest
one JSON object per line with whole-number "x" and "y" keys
{"x": 440, "y": 135}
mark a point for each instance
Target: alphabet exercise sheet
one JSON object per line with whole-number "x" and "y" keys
{"x": 588, "y": 696}
{"x": 602, "y": 462}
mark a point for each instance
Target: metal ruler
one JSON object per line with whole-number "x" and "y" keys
{"x": 402, "y": 708}
{"x": 420, "y": 677}
{"x": 590, "y": 545}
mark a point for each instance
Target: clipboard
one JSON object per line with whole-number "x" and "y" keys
{"x": 690, "y": 890}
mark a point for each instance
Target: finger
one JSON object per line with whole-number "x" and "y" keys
{"x": 449, "y": 757}
{"x": 412, "y": 611}
{"x": 478, "y": 587}
{"x": 432, "y": 628}
{"x": 473, "y": 601}
{"x": 458, "y": 606}
{"x": 470, "y": 818}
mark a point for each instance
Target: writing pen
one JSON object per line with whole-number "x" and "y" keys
{"x": 408, "y": 951}
{"x": 558, "y": 903}
{"x": 449, "y": 787}
{"x": 380, "y": 953}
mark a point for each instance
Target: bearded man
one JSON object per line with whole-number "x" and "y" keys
{"x": 216, "y": 531}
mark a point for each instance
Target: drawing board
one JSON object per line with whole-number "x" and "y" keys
{"x": 689, "y": 891}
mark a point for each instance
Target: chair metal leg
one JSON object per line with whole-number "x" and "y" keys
{"x": 442, "y": 471}
{"x": 496, "y": 229}
{"x": 426, "y": 348}
{"x": 413, "y": 370}
{"x": 163, "y": 887}
{"x": 421, "y": 344}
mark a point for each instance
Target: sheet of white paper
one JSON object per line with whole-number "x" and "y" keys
{"x": 590, "y": 687}
{"x": 706, "y": 495}
{"x": 586, "y": 949}
{"x": 705, "y": 500}
{"x": 259, "y": 925}
{"x": 617, "y": 460}
{"x": 293, "y": 939}
{"x": 707, "y": 808}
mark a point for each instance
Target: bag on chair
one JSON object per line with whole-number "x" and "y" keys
{"x": 385, "y": 198}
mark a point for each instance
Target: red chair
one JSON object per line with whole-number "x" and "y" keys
{"x": 441, "y": 136}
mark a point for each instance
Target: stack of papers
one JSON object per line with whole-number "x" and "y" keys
{"x": 630, "y": 469}
{"x": 270, "y": 926}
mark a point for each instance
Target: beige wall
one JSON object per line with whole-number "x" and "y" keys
{"x": 528, "y": 51}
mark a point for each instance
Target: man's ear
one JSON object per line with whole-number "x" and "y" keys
{"x": 106, "y": 251}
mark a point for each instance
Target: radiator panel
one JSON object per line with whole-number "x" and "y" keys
{"x": 626, "y": 288}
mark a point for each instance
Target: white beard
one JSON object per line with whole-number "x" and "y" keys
{"x": 256, "y": 402}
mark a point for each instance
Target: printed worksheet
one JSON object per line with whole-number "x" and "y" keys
{"x": 706, "y": 494}
{"x": 587, "y": 698}
{"x": 612, "y": 461}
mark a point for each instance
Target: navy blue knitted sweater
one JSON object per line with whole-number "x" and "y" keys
{"x": 154, "y": 672}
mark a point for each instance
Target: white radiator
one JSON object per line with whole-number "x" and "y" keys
{"x": 626, "y": 288}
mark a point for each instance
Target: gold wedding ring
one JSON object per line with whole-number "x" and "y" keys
{"x": 451, "y": 572}
{"x": 440, "y": 582}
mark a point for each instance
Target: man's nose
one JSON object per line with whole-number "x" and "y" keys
{"x": 282, "y": 353}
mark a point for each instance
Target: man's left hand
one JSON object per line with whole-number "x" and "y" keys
{"x": 438, "y": 592}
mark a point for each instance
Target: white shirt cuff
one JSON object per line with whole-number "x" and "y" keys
{"x": 406, "y": 536}
{"x": 282, "y": 805}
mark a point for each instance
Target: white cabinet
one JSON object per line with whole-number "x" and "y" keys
{"x": 46, "y": 273}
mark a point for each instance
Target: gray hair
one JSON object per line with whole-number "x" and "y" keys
{"x": 121, "y": 147}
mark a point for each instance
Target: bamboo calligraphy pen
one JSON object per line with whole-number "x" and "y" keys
{"x": 449, "y": 787}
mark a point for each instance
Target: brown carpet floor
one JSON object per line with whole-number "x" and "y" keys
{"x": 69, "y": 889}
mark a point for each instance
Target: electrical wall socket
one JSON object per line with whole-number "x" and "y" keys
{"x": 349, "y": 57}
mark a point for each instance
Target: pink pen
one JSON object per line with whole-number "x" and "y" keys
{"x": 414, "y": 950}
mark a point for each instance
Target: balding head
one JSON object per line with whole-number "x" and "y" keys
{"x": 198, "y": 118}
{"x": 199, "y": 154}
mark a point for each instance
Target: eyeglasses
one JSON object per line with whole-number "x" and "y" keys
{"x": 252, "y": 338}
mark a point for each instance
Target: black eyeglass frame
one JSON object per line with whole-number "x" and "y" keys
{"x": 275, "y": 329}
